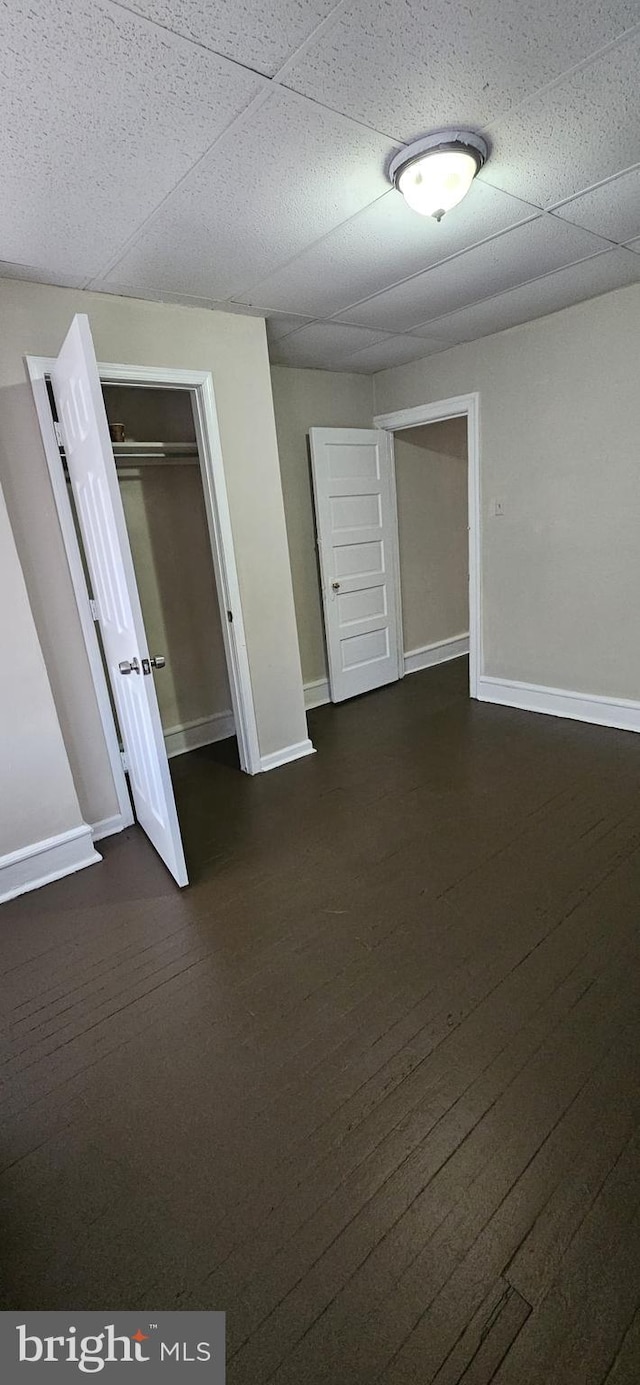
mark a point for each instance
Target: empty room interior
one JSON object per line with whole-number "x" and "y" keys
{"x": 320, "y": 691}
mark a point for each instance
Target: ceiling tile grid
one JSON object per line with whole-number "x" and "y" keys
{"x": 572, "y": 135}
{"x": 152, "y": 295}
{"x": 406, "y": 67}
{"x": 258, "y": 33}
{"x": 561, "y": 289}
{"x": 281, "y": 325}
{"x": 102, "y": 114}
{"x": 186, "y": 300}
{"x": 290, "y": 173}
{"x": 323, "y": 343}
{"x": 611, "y": 210}
{"x": 392, "y": 351}
{"x": 525, "y": 252}
{"x": 234, "y": 156}
{"x": 380, "y": 246}
{"x": 35, "y": 275}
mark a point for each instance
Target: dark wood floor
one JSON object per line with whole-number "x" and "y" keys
{"x": 371, "y": 1083}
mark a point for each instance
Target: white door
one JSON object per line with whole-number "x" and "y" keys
{"x": 358, "y": 546}
{"x": 85, "y": 435}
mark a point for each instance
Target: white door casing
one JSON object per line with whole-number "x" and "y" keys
{"x": 458, "y": 406}
{"x": 92, "y": 471}
{"x": 357, "y": 535}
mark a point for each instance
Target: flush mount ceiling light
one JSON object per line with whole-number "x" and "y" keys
{"x": 435, "y": 172}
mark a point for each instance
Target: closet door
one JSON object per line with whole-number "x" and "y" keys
{"x": 358, "y": 549}
{"x": 92, "y": 470}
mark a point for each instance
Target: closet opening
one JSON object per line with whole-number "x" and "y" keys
{"x": 143, "y": 509}
{"x": 158, "y": 466}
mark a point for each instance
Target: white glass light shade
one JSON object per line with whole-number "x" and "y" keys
{"x": 438, "y": 181}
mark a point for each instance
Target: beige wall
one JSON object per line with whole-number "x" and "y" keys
{"x": 560, "y": 446}
{"x": 431, "y": 486}
{"x": 150, "y": 415}
{"x": 35, "y": 319}
{"x": 167, "y": 526}
{"x": 37, "y": 796}
{"x": 305, "y": 399}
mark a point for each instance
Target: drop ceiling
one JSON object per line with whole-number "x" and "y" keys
{"x": 232, "y": 154}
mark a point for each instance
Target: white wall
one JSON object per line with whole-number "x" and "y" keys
{"x": 431, "y": 488}
{"x": 37, "y": 798}
{"x": 35, "y": 319}
{"x": 560, "y": 446}
{"x": 305, "y": 399}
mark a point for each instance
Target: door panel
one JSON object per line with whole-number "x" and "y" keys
{"x": 357, "y": 544}
{"x": 92, "y": 471}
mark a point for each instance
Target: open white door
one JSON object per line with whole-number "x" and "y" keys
{"x": 357, "y": 542}
{"x": 85, "y": 435}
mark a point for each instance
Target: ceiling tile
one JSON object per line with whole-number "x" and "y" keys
{"x": 405, "y": 67}
{"x": 509, "y": 259}
{"x": 613, "y": 270}
{"x": 259, "y": 33}
{"x": 574, "y": 135}
{"x": 40, "y": 276}
{"x": 102, "y": 114}
{"x": 383, "y": 244}
{"x": 281, "y": 325}
{"x": 392, "y": 351}
{"x": 185, "y": 300}
{"x": 322, "y": 345}
{"x": 291, "y": 172}
{"x": 611, "y": 210}
{"x": 147, "y": 295}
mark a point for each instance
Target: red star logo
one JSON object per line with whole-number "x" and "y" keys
{"x": 139, "y": 1336}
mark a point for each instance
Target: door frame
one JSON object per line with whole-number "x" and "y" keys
{"x": 199, "y": 384}
{"x": 459, "y": 406}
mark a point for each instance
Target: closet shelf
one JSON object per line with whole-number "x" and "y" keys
{"x": 155, "y": 451}
{"x": 133, "y": 455}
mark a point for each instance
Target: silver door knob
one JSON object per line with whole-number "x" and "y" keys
{"x": 336, "y": 586}
{"x": 129, "y": 666}
{"x": 158, "y": 662}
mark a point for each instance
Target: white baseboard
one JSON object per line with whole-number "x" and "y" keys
{"x": 288, "y": 753}
{"x": 438, "y": 653}
{"x": 316, "y": 693}
{"x": 107, "y": 827}
{"x": 45, "y": 861}
{"x": 190, "y": 735}
{"x": 618, "y": 712}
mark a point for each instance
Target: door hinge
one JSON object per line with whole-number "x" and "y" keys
{"x": 56, "y": 429}
{"x": 230, "y": 616}
{"x": 93, "y": 607}
{"x": 124, "y": 761}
